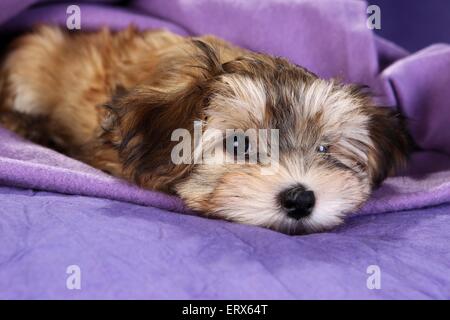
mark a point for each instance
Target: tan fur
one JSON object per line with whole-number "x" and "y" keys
{"x": 113, "y": 100}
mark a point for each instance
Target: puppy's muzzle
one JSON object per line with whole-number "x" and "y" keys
{"x": 297, "y": 201}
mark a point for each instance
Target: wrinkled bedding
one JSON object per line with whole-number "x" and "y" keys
{"x": 131, "y": 243}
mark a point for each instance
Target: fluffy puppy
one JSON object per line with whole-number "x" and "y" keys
{"x": 114, "y": 100}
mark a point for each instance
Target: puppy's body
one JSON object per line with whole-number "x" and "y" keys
{"x": 113, "y": 100}
{"x": 59, "y": 83}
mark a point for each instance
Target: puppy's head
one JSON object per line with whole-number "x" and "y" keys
{"x": 329, "y": 149}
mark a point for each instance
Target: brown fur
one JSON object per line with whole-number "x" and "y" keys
{"x": 113, "y": 100}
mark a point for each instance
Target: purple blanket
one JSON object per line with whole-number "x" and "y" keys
{"x": 56, "y": 212}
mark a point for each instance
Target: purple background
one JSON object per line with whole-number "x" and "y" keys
{"x": 414, "y": 24}
{"x": 132, "y": 243}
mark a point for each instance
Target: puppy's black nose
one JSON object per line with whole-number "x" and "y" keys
{"x": 297, "y": 201}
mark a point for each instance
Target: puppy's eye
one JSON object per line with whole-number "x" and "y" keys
{"x": 322, "y": 149}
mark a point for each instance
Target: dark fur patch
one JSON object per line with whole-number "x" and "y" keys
{"x": 139, "y": 123}
{"x": 392, "y": 142}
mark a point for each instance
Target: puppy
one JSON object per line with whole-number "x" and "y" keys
{"x": 114, "y": 100}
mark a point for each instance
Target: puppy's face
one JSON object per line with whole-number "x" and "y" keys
{"x": 332, "y": 146}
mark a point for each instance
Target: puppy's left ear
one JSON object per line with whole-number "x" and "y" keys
{"x": 391, "y": 143}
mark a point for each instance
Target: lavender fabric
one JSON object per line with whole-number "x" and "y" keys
{"x": 131, "y": 243}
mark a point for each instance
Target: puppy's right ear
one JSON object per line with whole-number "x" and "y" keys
{"x": 139, "y": 125}
{"x": 140, "y": 121}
